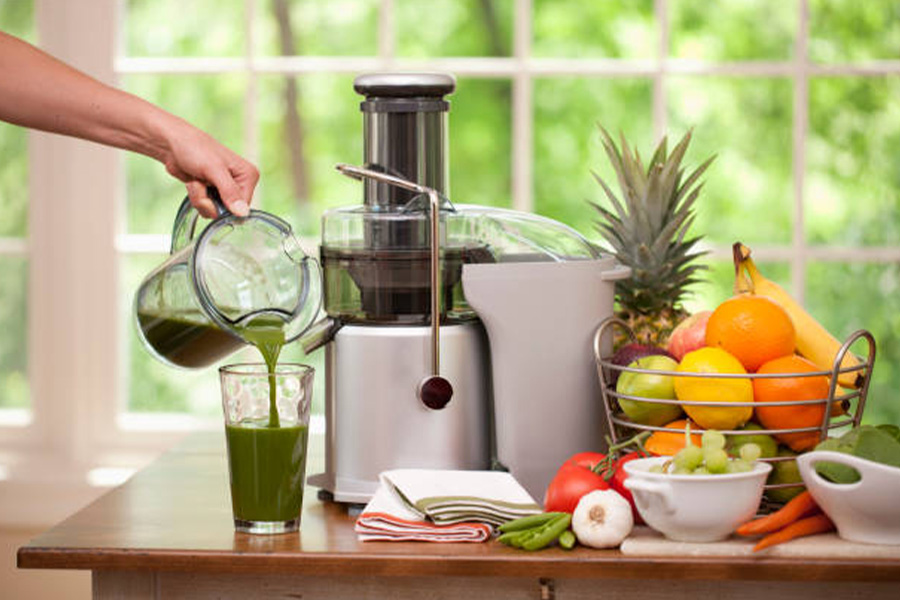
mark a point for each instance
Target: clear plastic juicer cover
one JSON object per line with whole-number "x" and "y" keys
{"x": 376, "y": 265}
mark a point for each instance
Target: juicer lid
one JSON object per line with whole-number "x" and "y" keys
{"x": 404, "y": 92}
{"x": 517, "y": 236}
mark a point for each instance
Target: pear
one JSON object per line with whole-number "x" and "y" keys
{"x": 785, "y": 471}
{"x": 767, "y": 444}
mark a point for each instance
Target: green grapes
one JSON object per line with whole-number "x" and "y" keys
{"x": 716, "y": 460}
{"x": 750, "y": 452}
{"x": 713, "y": 439}
{"x": 710, "y": 458}
{"x": 689, "y": 457}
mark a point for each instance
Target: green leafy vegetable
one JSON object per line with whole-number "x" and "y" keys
{"x": 879, "y": 444}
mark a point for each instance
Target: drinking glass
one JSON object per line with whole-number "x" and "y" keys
{"x": 266, "y": 443}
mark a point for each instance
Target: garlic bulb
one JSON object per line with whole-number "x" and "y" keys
{"x": 602, "y": 519}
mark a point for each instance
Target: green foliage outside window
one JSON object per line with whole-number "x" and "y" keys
{"x": 852, "y": 145}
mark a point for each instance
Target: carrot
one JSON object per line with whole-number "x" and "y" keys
{"x": 800, "y": 506}
{"x": 818, "y": 523}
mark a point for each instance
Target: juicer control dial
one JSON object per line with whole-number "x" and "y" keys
{"x": 435, "y": 392}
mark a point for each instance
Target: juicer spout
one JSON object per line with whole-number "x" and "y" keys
{"x": 434, "y": 390}
{"x": 319, "y": 333}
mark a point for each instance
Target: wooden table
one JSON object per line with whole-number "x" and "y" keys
{"x": 167, "y": 533}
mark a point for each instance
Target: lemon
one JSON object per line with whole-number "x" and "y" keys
{"x": 709, "y": 389}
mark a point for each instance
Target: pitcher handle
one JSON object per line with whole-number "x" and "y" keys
{"x": 184, "y": 230}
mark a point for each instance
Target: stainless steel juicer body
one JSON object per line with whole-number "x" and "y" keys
{"x": 387, "y": 287}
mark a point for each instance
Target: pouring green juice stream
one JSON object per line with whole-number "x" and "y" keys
{"x": 267, "y": 334}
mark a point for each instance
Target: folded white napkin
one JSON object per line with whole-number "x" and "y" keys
{"x": 448, "y": 496}
{"x": 386, "y": 518}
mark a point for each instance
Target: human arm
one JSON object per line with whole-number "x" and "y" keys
{"x": 41, "y": 92}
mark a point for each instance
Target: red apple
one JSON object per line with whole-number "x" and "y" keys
{"x": 689, "y": 335}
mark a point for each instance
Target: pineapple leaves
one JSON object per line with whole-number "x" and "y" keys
{"x": 647, "y": 224}
{"x": 660, "y": 155}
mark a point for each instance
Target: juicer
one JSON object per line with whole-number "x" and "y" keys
{"x": 382, "y": 346}
{"x": 457, "y": 336}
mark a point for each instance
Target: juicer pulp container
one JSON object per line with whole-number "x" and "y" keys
{"x": 540, "y": 318}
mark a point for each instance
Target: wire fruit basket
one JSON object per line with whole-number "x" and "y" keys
{"x": 851, "y": 401}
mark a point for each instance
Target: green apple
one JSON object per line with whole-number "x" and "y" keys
{"x": 784, "y": 471}
{"x": 649, "y": 385}
{"x": 767, "y": 444}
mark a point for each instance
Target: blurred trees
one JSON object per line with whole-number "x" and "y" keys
{"x": 851, "y": 185}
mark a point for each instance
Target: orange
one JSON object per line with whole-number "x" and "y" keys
{"x": 752, "y": 328}
{"x": 713, "y": 394}
{"x": 663, "y": 443}
{"x": 784, "y": 389}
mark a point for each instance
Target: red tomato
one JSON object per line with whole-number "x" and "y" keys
{"x": 618, "y": 483}
{"x": 587, "y": 459}
{"x": 573, "y": 480}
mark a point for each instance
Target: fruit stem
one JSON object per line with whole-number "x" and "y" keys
{"x": 605, "y": 466}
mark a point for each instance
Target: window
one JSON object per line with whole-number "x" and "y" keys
{"x": 16, "y": 18}
{"x": 799, "y": 114}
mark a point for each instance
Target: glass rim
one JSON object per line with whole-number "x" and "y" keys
{"x": 260, "y": 368}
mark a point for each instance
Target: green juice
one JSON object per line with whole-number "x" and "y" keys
{"x": 267, "y": 466}
{"x": 186, "y": 339}
{"x": 268, "y": 337}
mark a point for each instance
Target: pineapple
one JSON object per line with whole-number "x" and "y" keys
{"x": 647, "y": 231}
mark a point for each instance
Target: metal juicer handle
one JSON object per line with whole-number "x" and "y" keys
{"x": 434, "y": 391}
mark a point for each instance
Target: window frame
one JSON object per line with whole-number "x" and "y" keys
{"x": 77, "y": 232}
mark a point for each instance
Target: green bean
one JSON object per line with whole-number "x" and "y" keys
{"x": 528, "y": 522}
{"x": 548, "y": 533}
{"x": 567, "y": 540}
{"x": 517, "y": 538}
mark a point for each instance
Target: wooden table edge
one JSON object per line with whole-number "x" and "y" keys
{"x": 583, "y": 564}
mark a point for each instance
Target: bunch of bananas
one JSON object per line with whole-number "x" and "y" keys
{"x": 813, "y": 341}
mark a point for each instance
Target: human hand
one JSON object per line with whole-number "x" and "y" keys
{"x": 198, "y": 160}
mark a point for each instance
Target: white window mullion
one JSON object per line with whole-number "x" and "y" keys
{"x": 660, "y": 117}
{"x": 800, "y": 124}
{"x": 386, "y": 28}
{"x": 251, "y": 97}
{"x": 73, "y": 287}
{"x": 522, "y": 110}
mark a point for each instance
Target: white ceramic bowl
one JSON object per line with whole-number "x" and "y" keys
{"x": 695, "y": 508}
{"x": 865, "y": 511}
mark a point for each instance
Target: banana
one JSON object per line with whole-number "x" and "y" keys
{"x": 814, "y": 342}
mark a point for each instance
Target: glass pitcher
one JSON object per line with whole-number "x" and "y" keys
{"x": 221, "y": 280}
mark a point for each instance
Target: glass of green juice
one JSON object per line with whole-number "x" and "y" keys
{"x": 266, "y": 430}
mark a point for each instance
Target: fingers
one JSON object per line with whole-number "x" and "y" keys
{"x": 200, "y": 200}
{"x": 235, "y": 185}
{"x": 231, "y": 193}
{"x": 200, "y": 161}
{"x": 236, "y": 181}
{"x": 247, "y": 176}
